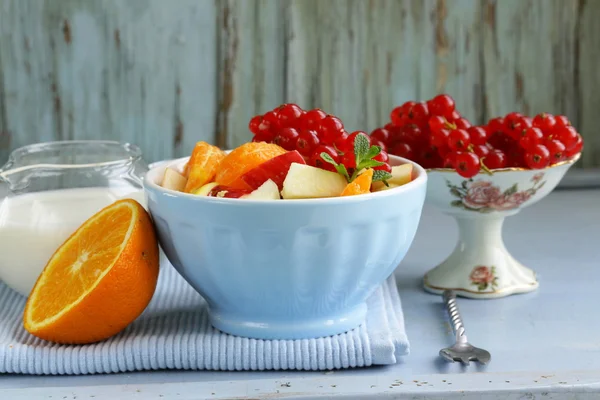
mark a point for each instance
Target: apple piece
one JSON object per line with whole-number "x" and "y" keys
{"x": 267, "y": 191}
{"x": 306, "y": 182}
{"x": 275, "y": 169}
{"x": 205, "y": 190}
{"x": 173, "y": 180}
{"x": 227, "y": 192}
{"x": 401, "y": 174}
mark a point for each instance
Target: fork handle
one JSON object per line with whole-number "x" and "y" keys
{"x": 459, "y": 329}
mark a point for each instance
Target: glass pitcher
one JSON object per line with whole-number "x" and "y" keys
{"x": 48, "y": 190}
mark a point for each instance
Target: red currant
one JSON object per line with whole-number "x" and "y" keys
{"x": 496, "y": 125}
{"x": 381, "y": 134}
{"x": 272, "y": 119}
{"x": 481, "y": 150}
{"x": 311, "y": 119}
{"x": 576, "y": 148}
{"x": 330, "y": 128}
{"x": 557, "y": 151}
{"x": 496, "y": 159}
{"x": 436, "y": 123}
{"x": 255, "y": 123}
{"x": 419, "y": 112}
{"x": 439, "y": 138}
{"x": 410, "y": 134}
{"x": 516, "y": 126}
{"x": 561, "y": 120}
{"x": 545, "y": 122}
{"x": 399, "y": 115}
{"x": 467, "y": 164}
{"x": 450, "y": 160}
{"x": 566, "y": 134}
{"x": 454, "y": 116}
{"x": 286, "y": 138}
{"x": 403, "y": 150}
{"x": 458, "y": 140}
{"x": 429, "y": 158}
{"x": 341, "y": 142}
{"x": 531, "y": 137}
{"x": 317, "y": 161}
{"x": 441, "y": 105}
{"x": 537, "y": 157}
{"x": 477, "y": 135}
{"x": 382, "y": 157}
{"x": 349, "y": 159}
{"x": 263, "y": 136}
{"x": 462, "y": 123}
{"x": 307, "y": 142}
{"x": 385, "y": 167}
{"x": 288, "y": 115}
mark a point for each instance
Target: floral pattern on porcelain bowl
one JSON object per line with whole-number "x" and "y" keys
{"x": 480, "y": 265}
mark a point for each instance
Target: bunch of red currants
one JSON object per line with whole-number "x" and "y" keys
{"x": 435, "y": 135}
{"x": 311, "y": 133}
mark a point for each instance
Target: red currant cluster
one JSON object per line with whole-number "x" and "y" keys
{"x": 435, "y": 135}
{"x": 311, "y": 133}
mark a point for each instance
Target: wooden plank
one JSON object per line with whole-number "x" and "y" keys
{"x": 138, "y": 71}
{"x": 588, "y": 81}
{"x": 252, "y": 65}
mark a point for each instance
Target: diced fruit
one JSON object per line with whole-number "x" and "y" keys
{"x": 173, "y": 180}
{"x": 202, "y": 166}
{"x": 274, "y": 169}
{"x": 360, "y": 185}
{"x": 228, "y": 192}
{"x": 205, "y": 190}
{"x": 379, "y": 186}
{"x": 401, "y": 175}
{"x": 244, "y": 158}
{"x": 99, "y": 280}
{"x": 267, "y": 191}
{"x": 305, "y": 182}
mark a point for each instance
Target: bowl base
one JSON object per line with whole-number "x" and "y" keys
{"x": 298, "y": 328}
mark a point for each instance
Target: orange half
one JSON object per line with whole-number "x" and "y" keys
{"x": 202, "y": 166}
{"x": 99, "y": 281}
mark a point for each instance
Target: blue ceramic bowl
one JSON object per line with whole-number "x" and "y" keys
{"x": 286, "y": 269}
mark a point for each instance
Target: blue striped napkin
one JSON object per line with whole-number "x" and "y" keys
{"x": 174, "y": 333}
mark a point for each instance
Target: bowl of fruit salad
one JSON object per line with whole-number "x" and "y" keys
{"x": 480, "y": 175}
{"x": 283, "y": 245}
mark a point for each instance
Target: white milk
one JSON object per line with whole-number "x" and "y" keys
{"x": 33, "y": 226}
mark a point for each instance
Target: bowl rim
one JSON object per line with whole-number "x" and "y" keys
{"x": 151, "y": 185}
{"x": 568, "y": 161}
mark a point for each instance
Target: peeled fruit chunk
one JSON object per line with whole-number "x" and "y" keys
{"x": 173, "y": 180}
{"x": 275, "y": 169}
{"x": 99, "y": 280}
{"x": 401, "y": 174}
{"x": 202, "y": 166}
{"x": 267, "y": 191}
{"x": 228, "y": 192}
{"x": 360, "y": 185}
{"x": 205, "y": 190}
{"x": 306, "y": 182}
{"x": 243, "y": 159}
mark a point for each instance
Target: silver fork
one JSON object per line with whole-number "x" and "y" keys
{"x": 462, "y": 350}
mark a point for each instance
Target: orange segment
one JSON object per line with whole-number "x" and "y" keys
{"x": 242, "y": 160}
{"x": 202, "y": 166}
{"x": 360, "y": 185}
{"x": 99, "y": 281}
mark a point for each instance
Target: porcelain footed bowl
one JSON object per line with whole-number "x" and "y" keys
{"x": 480, "y": 265}
{"x": 286, "y": 269}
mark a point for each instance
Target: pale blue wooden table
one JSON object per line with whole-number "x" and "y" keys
{"x": 543, "y": 344}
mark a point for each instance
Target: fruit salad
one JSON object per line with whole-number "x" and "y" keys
{"x": 435, "y": 135}
{"x": 294, "y": 154}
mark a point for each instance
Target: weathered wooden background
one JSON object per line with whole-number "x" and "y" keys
{"x": 165, "y": 74}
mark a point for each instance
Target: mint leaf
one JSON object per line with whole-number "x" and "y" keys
{"x": 379, "y": 175}
{"x": 369, "y": 164}
{"x": 361, "y": 147}
{"x": 340, "y": 168}
{"x": 327, "y": 158}
{"x": 373, "y": 152}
